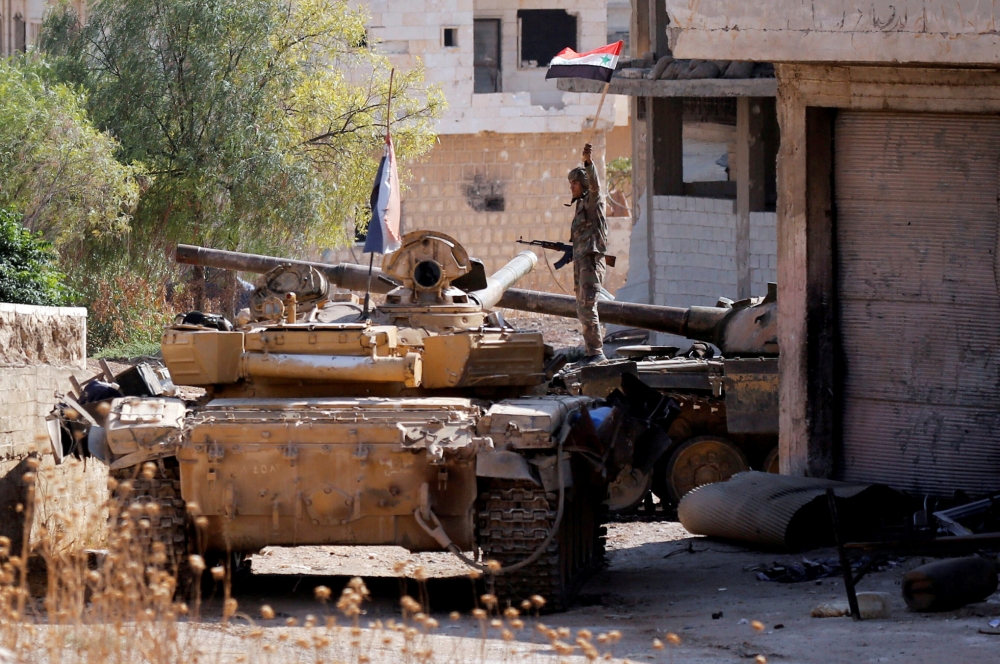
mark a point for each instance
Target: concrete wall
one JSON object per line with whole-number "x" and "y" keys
{"x": 918, "y": 31}
{"x": 528, "y": 172}
{"x": 40, "y": 347}
{"x": 694, "y": 246}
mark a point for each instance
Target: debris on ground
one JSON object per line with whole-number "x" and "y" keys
{"x": 950, "y": 584}
{"x": 873, "y": 605}
{"x": 811, "y": 570}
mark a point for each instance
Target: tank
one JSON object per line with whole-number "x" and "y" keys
{"x": 726, "y": 386}
{"x": 728, "y": 400}
{"x": 424, "y": 423}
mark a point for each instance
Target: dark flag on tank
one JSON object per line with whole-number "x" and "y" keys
{"x": 598, "y": 64}
{"x": 383, "y": 229}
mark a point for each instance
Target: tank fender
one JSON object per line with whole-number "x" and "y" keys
{"x": 504, "y": 464}
{"x": 141, "y": 429}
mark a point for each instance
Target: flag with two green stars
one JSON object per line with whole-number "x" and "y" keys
{"x": 598, "y": 64}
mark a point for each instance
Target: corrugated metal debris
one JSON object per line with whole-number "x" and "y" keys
{"x": 788, "y": 512}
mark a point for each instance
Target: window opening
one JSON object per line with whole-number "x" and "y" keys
{"x": 20, "y": 34}
{"x": 486, "y": 55}
{"x": 544, "y": 32}
{"x": 449, "y": 38}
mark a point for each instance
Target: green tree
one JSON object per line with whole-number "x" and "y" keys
{"x": 260, "y": 121}
{"x": 56, "y": 168}
{"x": 28, "y": 272}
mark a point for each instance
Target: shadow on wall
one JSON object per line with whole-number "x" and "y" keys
{"x": 13, "y": 493}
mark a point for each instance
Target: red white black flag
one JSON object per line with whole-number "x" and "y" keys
{"x": 598, "y": 64}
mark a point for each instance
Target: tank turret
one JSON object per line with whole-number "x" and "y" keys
{"x": 429, "y": 334}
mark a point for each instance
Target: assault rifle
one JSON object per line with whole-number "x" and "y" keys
{"x": 564, "y": 247}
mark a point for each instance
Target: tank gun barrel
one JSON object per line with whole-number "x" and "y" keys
{"x": 699, "y": 323}
{"x": 504, "y": 278}
{"x": 344, "y": 275}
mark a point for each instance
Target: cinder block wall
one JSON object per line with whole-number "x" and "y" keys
{"x": 695, "y": 253}
{"x": 487, "y": 190}
{"x": 40, "y": 347}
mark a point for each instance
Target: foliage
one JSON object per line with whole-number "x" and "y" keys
{"x": 55, "y": 167}
{"x": 28, "y": 272}
{"x": 620, "y": 175}
{"x": 126, "y": 310}
{"x": 260, "y": 120}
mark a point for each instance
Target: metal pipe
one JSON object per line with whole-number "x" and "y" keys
{"x": 337, "y": 368}
{"x": 504, "y": 278}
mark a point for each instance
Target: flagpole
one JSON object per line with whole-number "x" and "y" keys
{"x": 600, "y": 105}
{"x": 371, "y": 256}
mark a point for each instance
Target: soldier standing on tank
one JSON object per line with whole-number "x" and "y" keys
{"x": 589, "y": 237}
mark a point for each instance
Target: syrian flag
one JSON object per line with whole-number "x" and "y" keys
{"x": 383, "y": 229}
{"x": 598, "y": 64}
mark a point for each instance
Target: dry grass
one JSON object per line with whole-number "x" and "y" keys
{"x": 123, "y": 608}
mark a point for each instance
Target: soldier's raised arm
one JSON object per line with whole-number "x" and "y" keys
{"x": 588, "y": 163}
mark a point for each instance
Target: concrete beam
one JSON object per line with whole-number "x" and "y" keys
{"x": 700, "y": 87}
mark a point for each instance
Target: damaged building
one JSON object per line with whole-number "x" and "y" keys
{"x": 508, "y": 138}
{"x": 887, "y": 227}
{"x": 705, "y": 138}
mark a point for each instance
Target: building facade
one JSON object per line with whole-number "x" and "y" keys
{"x": 887, "y": 231}
{"x": 509, "y": 137}
{"x": 21, "y": 22}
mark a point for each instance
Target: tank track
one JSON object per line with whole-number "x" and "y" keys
{"x": 514, "y": 519}
{"x": 169, "y": 524}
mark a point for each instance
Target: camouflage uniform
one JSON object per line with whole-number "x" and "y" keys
{"x": 589, "y": 235}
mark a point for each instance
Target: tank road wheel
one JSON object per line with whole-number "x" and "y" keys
{"x": 702, "y": 460}
{"x": 770, "y": 464}
{"x": 153, "y": 510}
{"x": 514, "y": 519}
{"x": 627, "y": 490}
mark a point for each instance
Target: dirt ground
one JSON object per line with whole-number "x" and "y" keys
{"x": 659, "y": 579}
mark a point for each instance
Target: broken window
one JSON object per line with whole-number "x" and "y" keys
{"x": 544, "y": 32}
{"x": 486, "y": 55}
{"x": 709, "y": 145}
{"x": 449, "y": 37}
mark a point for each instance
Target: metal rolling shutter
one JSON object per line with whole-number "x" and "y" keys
{"x": 919, "y": 304}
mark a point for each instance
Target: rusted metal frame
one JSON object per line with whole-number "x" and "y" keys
{"x": 845, "y": 563}
{"x": 939, "y": 546}
{"x": 949, "y": 518}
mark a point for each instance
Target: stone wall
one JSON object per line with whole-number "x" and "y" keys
{"x": 40, "y": 347}
{"x": 488, "y": 190}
